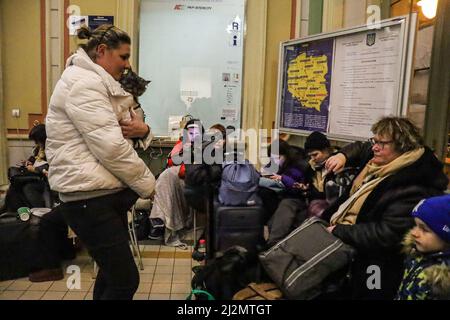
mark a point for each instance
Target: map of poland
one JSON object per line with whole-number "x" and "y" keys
{"x": 306, "y": 80}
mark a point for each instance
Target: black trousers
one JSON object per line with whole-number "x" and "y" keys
{"x": 289, "y": 214}
{"x": 101, "y": 224}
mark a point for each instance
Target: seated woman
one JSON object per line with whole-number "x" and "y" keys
{"x": 28, "y": 188}
{"x": 169, "y": 212}
{"x": 290, "y": 165}
{"x": 373, "y": 214}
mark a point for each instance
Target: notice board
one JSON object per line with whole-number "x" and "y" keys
{"x": 341, "y": 83}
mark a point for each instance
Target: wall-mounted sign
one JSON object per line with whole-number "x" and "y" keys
{"x": 97, "y": 21}
{"x": 75, "y": 23}
{"x": 341, "y": 83}
{"x": 93, "y": 22}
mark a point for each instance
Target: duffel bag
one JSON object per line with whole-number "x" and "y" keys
{"x": 308, "y": 262}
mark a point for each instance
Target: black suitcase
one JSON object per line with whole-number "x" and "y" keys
{"x": 36, "y": 244}
{"x": 238, "y": 226}
{"x": 16, "y": 247}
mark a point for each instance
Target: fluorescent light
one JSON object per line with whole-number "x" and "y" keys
{"x": 429, "y": 8}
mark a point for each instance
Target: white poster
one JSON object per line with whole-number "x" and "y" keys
{"x": 192, "y": 51}
{"x": 76, "y": 22}
{"x": 366, "y": 80}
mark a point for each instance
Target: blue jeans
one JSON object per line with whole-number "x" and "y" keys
{"x": 275, "y": 185}
{"x": 101, "y": 225}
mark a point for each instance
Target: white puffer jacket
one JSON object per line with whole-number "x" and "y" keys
{"x": 85, "y": 146}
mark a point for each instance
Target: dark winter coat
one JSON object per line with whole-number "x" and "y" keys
{"x": 426, "y": 276}
{"x": 384, "y": 219}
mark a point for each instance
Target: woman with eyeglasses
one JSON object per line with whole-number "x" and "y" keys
{"x": 97, "y": 173}
{"x": 374, "y": 213}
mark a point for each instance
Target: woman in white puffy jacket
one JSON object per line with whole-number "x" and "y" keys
{"x": 96, "y": 171}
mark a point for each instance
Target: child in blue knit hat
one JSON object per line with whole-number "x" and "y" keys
{"x": 427, "y": 274}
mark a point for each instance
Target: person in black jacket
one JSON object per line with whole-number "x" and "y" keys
{"x": 292, "y": 211}
{"x": 373, "y": 214}
{"x": 28, "y": 187}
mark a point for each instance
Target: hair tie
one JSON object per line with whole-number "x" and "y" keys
{"x": 104, "y": 34}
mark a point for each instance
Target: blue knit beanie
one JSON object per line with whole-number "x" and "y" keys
{"x": 435, "y": 212}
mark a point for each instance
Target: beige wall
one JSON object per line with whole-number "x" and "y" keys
{"x": 125, "y": 14}
{"x": 265, "y": 30}
{"x": 21, "y": 44}
{"x": 90, "y": 7}
{"x": 3, "y": 154}
{"x": 340, "y": 14}
{"x": 278, "y": 30}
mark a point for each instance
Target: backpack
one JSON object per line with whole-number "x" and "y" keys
{"x": 202, "y": 175}
{"x": 223, "y": 275}
{"x": 201, "y": 181}
{"x": 239, "y": 184}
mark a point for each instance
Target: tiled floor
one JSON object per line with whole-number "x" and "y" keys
{"x": 166, "y": 276}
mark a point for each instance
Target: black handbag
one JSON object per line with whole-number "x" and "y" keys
{"x": 19, "y": 176}
{"x": 142, "y": 224}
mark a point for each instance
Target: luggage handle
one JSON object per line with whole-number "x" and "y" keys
{"x": 294, "y": 258}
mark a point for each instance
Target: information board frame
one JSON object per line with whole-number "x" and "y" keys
{"x": 407, "y": 24}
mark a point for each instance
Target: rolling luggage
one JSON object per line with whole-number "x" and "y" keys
{"x": 37, "y": 244}
{"x": 238, "y": 226}
{"x": 16, "y": 247}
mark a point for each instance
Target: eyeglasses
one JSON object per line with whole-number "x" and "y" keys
{"x": 380, "y": 143}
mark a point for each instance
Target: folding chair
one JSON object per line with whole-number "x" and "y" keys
{"x": 133, "y": 239}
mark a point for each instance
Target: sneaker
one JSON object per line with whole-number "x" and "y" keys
{"x": 156, "y": 233}
{"x": 156, "y": 229}
{"x": 172, "y": 239}
{"x": 157, "y": 223}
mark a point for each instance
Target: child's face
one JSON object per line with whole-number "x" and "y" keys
{"x": 426, "y": 240}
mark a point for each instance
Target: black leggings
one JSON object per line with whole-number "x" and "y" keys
{"x": 101, "y": 225}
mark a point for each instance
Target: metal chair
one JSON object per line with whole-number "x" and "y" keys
{"x": 133, "y": 239}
